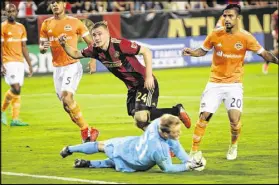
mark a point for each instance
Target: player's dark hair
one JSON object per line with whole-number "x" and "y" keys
{"x": 100, "y": 24}
{"x": 235, "y": 7}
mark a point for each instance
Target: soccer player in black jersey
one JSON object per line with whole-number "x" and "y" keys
{"x": 119, "y": 56}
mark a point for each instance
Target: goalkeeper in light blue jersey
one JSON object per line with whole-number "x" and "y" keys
{"x": 140, "y": 153}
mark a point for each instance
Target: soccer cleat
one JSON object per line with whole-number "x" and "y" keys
{"x": 17, "y": 122}
{"x": 3, "y": 118}
{"x": 265, "y": 68}
{"x": 232, "y": 152}
{"x": 183, "y": 116}
{"x": 81, "y": 163}
{"x": 65, "y": 152}
{"x": 89, "y": 135}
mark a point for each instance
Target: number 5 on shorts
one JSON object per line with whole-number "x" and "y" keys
{"x": 68, "y": 81}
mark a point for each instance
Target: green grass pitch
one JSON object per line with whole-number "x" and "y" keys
{"x": 102, "y": 98}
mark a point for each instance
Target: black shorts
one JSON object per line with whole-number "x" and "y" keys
{"x": 142, "y": 99}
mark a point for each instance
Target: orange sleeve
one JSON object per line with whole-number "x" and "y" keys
{"x": 2, "y": 33}
{"x": 82, "y": 29}
{"x": 207, "y": 44}
{"x": 253, "y": 45}
{"x": 24, "y": 34}
{"x": 43, "y": 32}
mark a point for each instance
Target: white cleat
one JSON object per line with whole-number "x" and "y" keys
{"x": 232, "y": 153}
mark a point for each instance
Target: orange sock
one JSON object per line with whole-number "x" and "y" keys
{"x": 76, "y": 116}
{"x": 16, "y": 107}
{"x": 235, "y": 132}
{"x": 198, "y": 134}
{"x": 7, "y": 100}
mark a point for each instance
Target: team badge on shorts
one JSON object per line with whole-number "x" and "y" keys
{"x": 68, "y": 27}
{"x": 203, "y": 105}
{"x": 238, "y": 45}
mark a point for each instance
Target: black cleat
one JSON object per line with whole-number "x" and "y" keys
{"x": 183, "y": 116}
{"x": 81, "y": 163}
{"x": 65, "y": 152}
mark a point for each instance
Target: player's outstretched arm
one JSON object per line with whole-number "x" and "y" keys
{"x": 194, "y": 53}
{"x": 76, "y": 54}
{"x": 269, "y": 57}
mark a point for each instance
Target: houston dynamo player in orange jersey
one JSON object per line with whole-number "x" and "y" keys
{"x": 13, "y": 48}
{"x": 225, "y": 84}
{"x": 67, "y": 71}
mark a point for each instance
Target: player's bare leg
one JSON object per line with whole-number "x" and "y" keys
{"x": 72, "y": 108}
{"x": 12, "y": 97}
{"x": 142, "y": 119}
{"x": 234, "y": 117}
{"x": 200, "y": 130}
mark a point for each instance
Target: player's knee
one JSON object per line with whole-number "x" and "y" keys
{"x": 235, "y": 125}
{"x": 141, "y": 119}
{"x": 16, "y": 90}
{"x": 205, "y": 116}
{"x": 67, "y": 99}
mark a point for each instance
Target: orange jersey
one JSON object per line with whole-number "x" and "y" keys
{"x": 12, "y": 36}
{"x": 229, "y": 53}
{"x": 52, "y": 28}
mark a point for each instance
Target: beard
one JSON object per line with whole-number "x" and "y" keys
{"x": 11, "y": 19}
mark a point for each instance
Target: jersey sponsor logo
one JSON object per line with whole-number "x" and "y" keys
{"x": 238, "y": 45}
{"x": 114, "y": 40}
{"x": 222, "y": 54}
{"x": 56, "y": 38}
{"x": 13, "y": 40}
{"x": 68, "y": 27}
{"x": 108, "y": 64}
{"x": 219, "y": 45}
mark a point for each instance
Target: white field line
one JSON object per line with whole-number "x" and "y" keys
{"x": 124, "y": 96}
{"x": 58, "y": 178}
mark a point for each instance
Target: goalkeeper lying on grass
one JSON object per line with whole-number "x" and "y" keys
{"x": 140, "y": 153}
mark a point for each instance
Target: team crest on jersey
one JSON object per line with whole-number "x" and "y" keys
{"x": 116, "y": 54}
{"x": 238, "y": 45}
{"x": 134, "y": 45}
{"x": 68, "y": 27}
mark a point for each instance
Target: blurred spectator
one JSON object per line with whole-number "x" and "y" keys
{"x": 26, "y": 8}
{"x": 220, "y": 4}
{"x": 176, "y": 5}
{"x": 44, "y": 8}
{"x": 87, "y": 7}
{"x": 156, "y": 5}
{"x": 101, "y": 6}
{"x": 76, "y": 6}
{"x": 3, "y": 5}
{"x": 120, "y": 6}
{"x": 68, "y": 9}
{"x": 198, "y": 4}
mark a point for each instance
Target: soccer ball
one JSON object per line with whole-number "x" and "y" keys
{"x": 199, "y": 160}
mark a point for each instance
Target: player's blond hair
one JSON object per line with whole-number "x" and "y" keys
{"x": 168, "y": 120}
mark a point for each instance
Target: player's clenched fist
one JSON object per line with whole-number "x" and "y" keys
{"x": 62, "y": 39}
{"x": 187, "y": 51}
{"x": 44, "y": 46}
